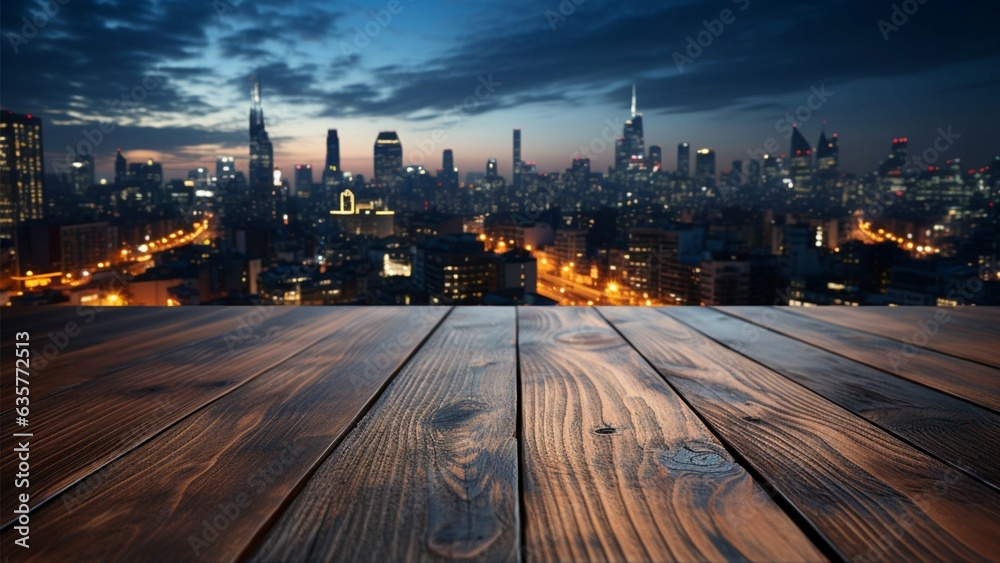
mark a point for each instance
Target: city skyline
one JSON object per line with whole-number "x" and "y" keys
{"x": 559, "y": 102}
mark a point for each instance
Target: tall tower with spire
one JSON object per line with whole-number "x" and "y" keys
{"x": 261, "y": 152}
{"x": 827, "y": 151}
{"x": 633, "y": 144}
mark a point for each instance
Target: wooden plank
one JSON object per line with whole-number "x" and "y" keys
{"x": 430, "y": 473}
{"x": 94, "y": 424}
{"x": 922, "y": 416}
{"x": 971, "y": 381}
{"x": 120, "y": 340}
{"x": 970, "y": 334}
{"x": 872, "y": 495}
{"x": 40, "y": 321}
{"x": 617, "y": 468}
{"x": 235, "y": 462}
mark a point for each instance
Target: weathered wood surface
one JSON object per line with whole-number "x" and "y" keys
{"x": 617, "y": 468}
{"x": 867, "y": 491}
{"x": 971, "y": 381}
{"x": 499, "y": 434}
{"x": 431, "y": 472}
{"x": 96, "y": 423}
{"x": 234, "y": 463}
{"x": 129, "y": 339}
{"x": 926, "y": 418}
{"x": 950, "y": 331}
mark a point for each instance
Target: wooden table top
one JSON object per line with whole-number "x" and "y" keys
{"x": 539, "y": 434}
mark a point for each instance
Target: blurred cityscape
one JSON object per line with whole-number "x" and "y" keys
{"x": 776, "y": 228}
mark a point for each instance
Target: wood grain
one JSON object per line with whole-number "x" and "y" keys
{"x": 922, "y": 416}
{"x": 91, "y": 425}
{"x": 113, "y": 344}
{"x": 430, "y": 473}
{"x": 971, "y": 381}
{"x": 952, "y": 331}
{"x": 234, "y": 463}
{"x": 872, "y": 495}
{"x": 617, "y": 468}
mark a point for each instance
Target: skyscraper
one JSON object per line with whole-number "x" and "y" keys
{"x": 801, "y": 164}
{"x": 303, "y": 178}
{"x": 704, "y": 164}
{"x": 684, "y": 160}
{"x": 22, "y": 170}
{"x": 518, "y": 164}
{"x": 225, "y": 169}
{"x": 827, "y": 152}
{"x": 81, "y": 174}
{"x": 121, "y": 169}
{"x": 633, "y": 138}
{"x": 655, "y": 157}
{"x": 388, "y": 158}
{"x": 448, "y": 176}
{"x": 491, "y": 169}
{"x": 332, "y": 173}
{"x": 261, "y": 149}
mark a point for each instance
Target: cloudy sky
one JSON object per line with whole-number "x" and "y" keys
{"x": 560, "y": 72}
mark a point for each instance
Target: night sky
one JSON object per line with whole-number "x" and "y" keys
{"x": 562, "y": 86}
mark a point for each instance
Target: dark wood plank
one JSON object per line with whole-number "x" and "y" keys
{"x": 872, "y": 495}
{"x": 922, "y": 416}
{"x": 971, "y": 381}
{"x": 40, "y": 321}
{"x": 117, "y": 342}
{"x": 430, "y": 473}
{"x": 971, "y": 334}
{"x": 237, "y": 460}
{"x": 91, "y": 425}
{"x": 617, "y": 468}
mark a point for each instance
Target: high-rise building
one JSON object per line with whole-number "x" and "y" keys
{"x": 827, "y": 152}
{"x": 225, "y": 168}
{"x": 81, "y": 174}
{"x": 303, "y": 178}
{"x": 684, "y": 160}
{"x": 655, "y": 157}
{"x": 332, "y": 172}
{"x": 801, "y": 164}
{"x": 121, "y": 169}
{"x": 633, "y": 144}
{"x": 22, "y": 170}
{"x": 491, "y": 169}
{"x": 388, "y": 158}
{"x": 518, "y": 164}
{"x": 449, "y": 172}
{"x": 704, "y": 164}
{"x": 261, "y": 153}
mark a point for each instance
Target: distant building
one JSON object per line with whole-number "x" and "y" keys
{"x": 704, "y": 164}
{"x": 388, "y": 158}
{"x": 303, "y": 179}
{"x": 332, "y": 172}
{"x": 684, "y": 160}
{"x": 22, "y": 170}
{"x": 362, "y": 219}
{"x": 261, "y": 160}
